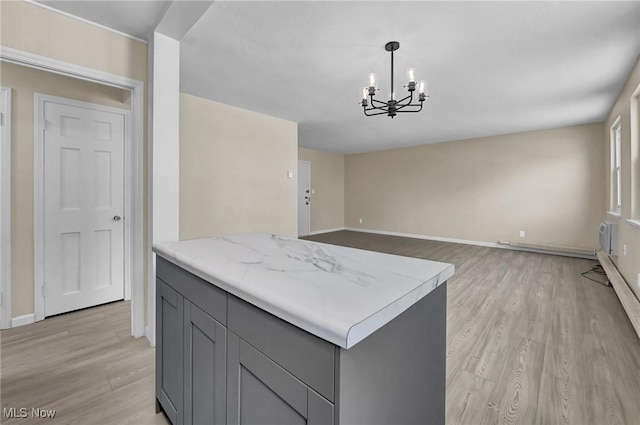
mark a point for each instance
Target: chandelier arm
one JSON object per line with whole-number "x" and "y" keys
{"x": 371, "y": 115}
{"x": 378, "y": 101}
{"x": 409, "y": 110}
{"x": 407, "y": 104}
{"x": 376, "y": 108}
{"x": 410, "y": 97}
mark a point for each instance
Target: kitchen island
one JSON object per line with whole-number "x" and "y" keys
{"x": 261, "y": 329}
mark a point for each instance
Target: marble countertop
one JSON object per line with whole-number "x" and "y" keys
{"x": 339, "y": 294}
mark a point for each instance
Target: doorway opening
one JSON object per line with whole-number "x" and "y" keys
{"x": 134, "y": 249}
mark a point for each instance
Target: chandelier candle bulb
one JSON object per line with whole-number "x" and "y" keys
{"x": 421, "y": 87}
{"x": 412, "y": 77}
{"x": 372, "y": 80}
{"x": 364, "y": 93}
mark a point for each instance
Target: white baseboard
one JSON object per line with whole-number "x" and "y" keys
{"x": 319, "y": 232}
{"x": 468, "y": 242}
{"x": 27, "y": 319}
{"x": 426, "y": 237}
{"x": 150, "y": 338}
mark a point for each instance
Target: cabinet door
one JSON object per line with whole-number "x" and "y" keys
{"x": 205, "y": 376}
{"x": 259, "y": 392}
{"x": 169, "y": 349}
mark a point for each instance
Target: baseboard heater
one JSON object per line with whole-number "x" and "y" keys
{"x": 557, "y": 249}
{"x": 627, "y": 298}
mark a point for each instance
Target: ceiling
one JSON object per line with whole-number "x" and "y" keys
{"x": 135, "y": 18}
{"x": 492, "y": 67}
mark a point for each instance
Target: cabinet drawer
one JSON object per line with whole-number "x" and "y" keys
{"x": 305, "y": 356}
{"x": 205, "y": 295}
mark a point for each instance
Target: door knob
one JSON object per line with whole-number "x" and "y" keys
{"x": 116, "y": 218}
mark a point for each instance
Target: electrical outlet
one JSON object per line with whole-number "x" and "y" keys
{"x": 638, "y": 280}
{"x": 624, "y": 249}
{"x": 522, "y": 233}
{"x": 360, "y": 220}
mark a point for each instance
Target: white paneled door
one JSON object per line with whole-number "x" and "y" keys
{"x": 304, "y": 197}
{"x": 83, "y": 206}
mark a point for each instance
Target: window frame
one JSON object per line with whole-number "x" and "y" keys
{"x": 615, "y": 145}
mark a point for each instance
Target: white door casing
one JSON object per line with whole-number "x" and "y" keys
{"x": 82, "y": 211}
{"x": 134, "y": 177}
{"x": 5, "y": 207}
{"x": 304, "y": 198}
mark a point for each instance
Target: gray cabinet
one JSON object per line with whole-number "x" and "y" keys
{"x": 190, "y": 348}
{"x": 169, "y": 350}
{"x": 263, "y": 393}
{"x": 222, "y": 360}
{"x": 204, "y": 368}
{"x": 206, "y": 374}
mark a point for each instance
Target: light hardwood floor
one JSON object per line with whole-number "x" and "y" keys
{"x": 84, "y": 364}
{"x": 529, "y": 342}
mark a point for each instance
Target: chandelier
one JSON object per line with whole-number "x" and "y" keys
{"x": 392, "y": 107}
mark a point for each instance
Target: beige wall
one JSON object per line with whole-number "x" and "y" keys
{"x": 327, "y": 183}
{"x": 629, "y": 265}
{"x": 549, "y": 183}
{"x": 40, "y": 31}
{"x": 233, "y": 171}
{"x": 24, "y": 83}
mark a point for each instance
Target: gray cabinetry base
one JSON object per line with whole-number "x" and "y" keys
{"x": 220, "y": 360}
{"x": 398, "y": 374}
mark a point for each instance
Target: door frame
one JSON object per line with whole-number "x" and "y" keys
{"x": 136, "y": 100}
{"x": 308, "y": 209}
{"x": 39, "y": 100}
{"x": 5, "y": 210}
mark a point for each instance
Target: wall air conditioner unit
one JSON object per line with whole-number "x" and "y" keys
{"x": 609, "y": 237}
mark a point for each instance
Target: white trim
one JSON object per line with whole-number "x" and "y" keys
{"x": 39, "y": 100}
{"x": 426, "y": 237}
{"x": 137, "y": 160}
{"x": 633, "y": 223}
{"x": 5, "y": 209}
{"x": 19, "y": 57}
{"x": 634, "y": 115}
{"x": 150, "y": 328}
{"x": 469, "y": 242}
{"x": 615, "y": 136}
{"x": 86, "y": 21}
{"x": 319, "y": 232}
{"x": 613, "y": 215}
{"x": 27, "y": 319}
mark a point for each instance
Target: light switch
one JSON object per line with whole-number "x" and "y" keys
{"x": 313, "y": 191}
{"x": 290, "y": 174}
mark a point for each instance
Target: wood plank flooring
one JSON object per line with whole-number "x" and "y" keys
{"x": 85, "y": 365}
{"x": 529, "y": 341}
